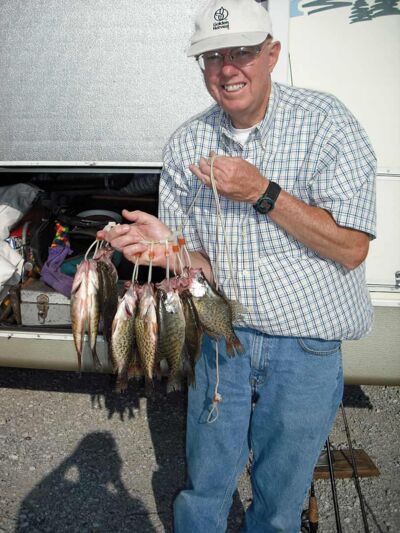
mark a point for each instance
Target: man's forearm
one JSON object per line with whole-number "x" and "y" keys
{"x": 315, "y": 228}
{"x": 200, "y": 260}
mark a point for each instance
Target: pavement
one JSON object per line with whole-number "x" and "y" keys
{"x": 77, "y": 457}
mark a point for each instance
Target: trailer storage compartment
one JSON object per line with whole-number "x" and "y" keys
{"x": 35, "y": 323}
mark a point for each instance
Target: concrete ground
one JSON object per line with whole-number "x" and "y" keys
{"x": 76, "y": 457}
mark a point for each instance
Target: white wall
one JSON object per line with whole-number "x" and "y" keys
{"x": 359, "y": 62}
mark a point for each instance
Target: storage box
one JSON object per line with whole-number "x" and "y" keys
{"x": 43, "y": 306}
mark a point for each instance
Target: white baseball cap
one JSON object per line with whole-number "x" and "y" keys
{"x": 230, "y": 23}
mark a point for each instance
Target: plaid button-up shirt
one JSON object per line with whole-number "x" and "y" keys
{"x": 311, "y": 145}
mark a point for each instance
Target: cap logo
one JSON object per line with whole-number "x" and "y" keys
{"x": 220, "y": 17}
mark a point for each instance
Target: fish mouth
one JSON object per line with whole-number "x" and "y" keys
{"x": 233, "y": 87}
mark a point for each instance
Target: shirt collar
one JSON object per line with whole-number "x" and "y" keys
{"x": 263, "y": 127}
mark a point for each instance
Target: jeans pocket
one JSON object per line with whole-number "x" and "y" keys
{"x": 319, "y": 346}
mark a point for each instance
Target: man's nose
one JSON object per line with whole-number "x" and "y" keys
{"x": 228, "y": 64}
{"x": 227, "y": 59}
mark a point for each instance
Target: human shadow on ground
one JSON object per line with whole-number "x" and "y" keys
{"x": 165, "y": 416}
{"x": 84, "y": 493}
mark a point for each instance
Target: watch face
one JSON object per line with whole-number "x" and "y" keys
{"x": 263, "y": 205}
{"x": 266, "y": 202}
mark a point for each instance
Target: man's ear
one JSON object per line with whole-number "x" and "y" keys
{"x": 274, "y": 50}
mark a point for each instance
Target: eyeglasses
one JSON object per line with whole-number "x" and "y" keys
{"x": 240, "y": 57}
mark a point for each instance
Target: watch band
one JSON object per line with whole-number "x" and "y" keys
{"x": 266, "y": 202}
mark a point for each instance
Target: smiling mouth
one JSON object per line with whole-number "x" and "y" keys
{"x": 234, "y": 87}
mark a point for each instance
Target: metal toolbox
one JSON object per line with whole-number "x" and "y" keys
{"x": 43, "y": 306}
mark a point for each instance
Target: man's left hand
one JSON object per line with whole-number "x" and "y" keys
{"x": 235, "y": 178}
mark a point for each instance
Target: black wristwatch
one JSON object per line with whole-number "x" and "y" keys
{"x": 266, "y": 202}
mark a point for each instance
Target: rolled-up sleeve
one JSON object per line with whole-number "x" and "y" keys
{"x": 344, "y": 183}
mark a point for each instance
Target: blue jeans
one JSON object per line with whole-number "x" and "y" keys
{"x": 279, "y": 399}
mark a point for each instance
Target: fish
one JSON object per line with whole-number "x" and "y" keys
{"x": 79, "y": 307}
{"x": 123, "y": 337}
{"x": 193, "y": 336}
{"x": 171, "y": 332}
{"x": 216, "y": 313}
{"x": 108, "y": 292}
{"x": 85, "y": 308}
{"x": 146, "y": 330}
{"x": 93, "y": 309}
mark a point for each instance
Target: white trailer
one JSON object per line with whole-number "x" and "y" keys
{"x": 92, "y": 90}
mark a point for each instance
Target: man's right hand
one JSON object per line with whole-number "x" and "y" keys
{"x": 128, "y": 238}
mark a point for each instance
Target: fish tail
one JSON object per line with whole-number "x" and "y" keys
{"x": 96, "y": 359}
{"x": 122, "y": 382}
{"x": 174, "y": 383}
{"x": 190, "y": 376}
{"x": 234, "y": 346}
{"x": 149, "y": 387}
{"x": 135, "y": 371}
{"x": 79, "y": 353}
{"x": 79, "y": 337}
{"x": 93, "y": 339}
{"x": 229, "y": 349}
{"x": 79, "y": 346}
{"x": 238, "y": 345}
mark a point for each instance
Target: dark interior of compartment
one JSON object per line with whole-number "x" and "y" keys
{"x": 66, "y": 194}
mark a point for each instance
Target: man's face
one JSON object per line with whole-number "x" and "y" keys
{"x": 243, "y": 92}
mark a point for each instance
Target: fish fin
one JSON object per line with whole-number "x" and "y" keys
{"x": 234, "y": 347}
{"x": 75, "y": 287}
{"x": 238, "y": 345}
{"x": 96, "y": 360}
{"x": 149, "y": 388}
{"x": 190, "y": 375}
{"x": 237, "y": 309}
{"x": 174, "y": 383}
{"x": 229, "y": 349}
{"x": 122, "y": 383}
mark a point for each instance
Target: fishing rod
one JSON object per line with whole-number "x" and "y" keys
{"x": 355, "y": 471}
{"x": 333, "y": 486}
{"x": 312, "y": 511}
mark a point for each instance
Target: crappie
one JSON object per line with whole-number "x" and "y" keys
{"x": 146, "y": 330}
{"x": 123, "y": 337}
{"x": 215, "y": 312}
{"x": 79, "y": 307}
{"x": 85, "y": 307}
{"x": 193, "y": 336}
{"x": 171, "y": 334}
{"x": 108, "y": 293}
{"x": 93, "y": 308}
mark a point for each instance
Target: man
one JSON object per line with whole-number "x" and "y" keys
{"x": 295, "y": 173}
